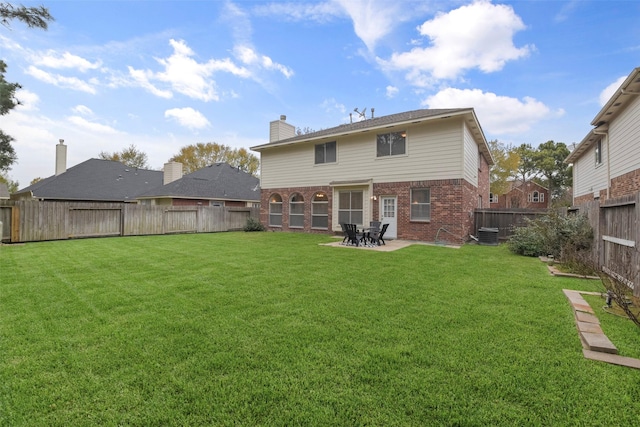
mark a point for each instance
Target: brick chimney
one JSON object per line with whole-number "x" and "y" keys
{"x": 280, "y": 129}
{"x": 61, "y": 157}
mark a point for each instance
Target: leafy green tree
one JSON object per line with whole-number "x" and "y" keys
{"x": 33, "y": 17}
{"x": 131, "y": 157}
{"x": 11, "y": 185}
{"x": 505, "y": 165}
{"x": 554, "y": 173}
{"x": 200, "y": 155}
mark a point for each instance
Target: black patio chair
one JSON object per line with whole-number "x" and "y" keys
{"x": 344, "y": 232}
{"x": 352, "y": 234}
{"x": 381, "y": 235}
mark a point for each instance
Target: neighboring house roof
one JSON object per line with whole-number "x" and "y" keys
{"x": 96, "y": 180}
{"x": 219, "y": 181}
{"x": 408, "y": 117}
{"x": 4, "y": 191}
{"x": 617, "y": 103}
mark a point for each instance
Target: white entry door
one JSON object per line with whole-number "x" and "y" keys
{"x": 389, "y": 215}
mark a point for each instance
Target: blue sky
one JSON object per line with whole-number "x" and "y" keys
{"x": 165, "y": 74}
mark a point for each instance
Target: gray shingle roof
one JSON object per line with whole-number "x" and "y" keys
{"x": 377, "y": 122}
{"x": 96, "y": 180}
{"x": 219, "y": 181}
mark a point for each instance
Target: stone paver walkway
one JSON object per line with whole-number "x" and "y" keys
{"x": 596, "y": 345}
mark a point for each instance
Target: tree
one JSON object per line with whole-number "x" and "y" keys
{"x": 200, "y": 155}
{"x": 555, "y": 174}
{"x": 12, "y": 186}
{"x": 131, "y": 157}
{"x": 33, "y": 17}
{"x": 504, "y": 168}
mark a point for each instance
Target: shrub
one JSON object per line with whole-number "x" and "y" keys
{"x": 552, "y": 234}
{"x": 253, "y": 225}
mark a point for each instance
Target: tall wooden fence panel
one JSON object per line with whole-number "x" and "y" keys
{"x": 504, "y": 219}
{"x": 616, "y": 226}
{"x": 30, "y": 221}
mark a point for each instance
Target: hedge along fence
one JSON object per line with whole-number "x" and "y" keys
{"x": 32, "y": 221}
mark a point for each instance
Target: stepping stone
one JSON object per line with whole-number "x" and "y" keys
{"x": 612, "y": 358}
{"x": 586, "y": 317}
{"x": 598, "y": 342}
{"x": 593, "y": 328}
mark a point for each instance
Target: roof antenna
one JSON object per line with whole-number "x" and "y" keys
{"x": 372, "y": 110}
{"x": 361, "y": 114}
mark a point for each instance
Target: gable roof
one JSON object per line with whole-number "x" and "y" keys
{"x": 96, "y": 180}
{"x": 399, "y": 119}
{"x": 219, "y": 181}
{"x": 616, "y": 104}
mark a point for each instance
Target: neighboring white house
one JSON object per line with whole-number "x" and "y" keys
{"x": 606, "y": 164}
{"x": 423, "y": 172}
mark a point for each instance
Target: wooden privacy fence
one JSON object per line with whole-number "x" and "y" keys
{"x": 504, "y": 219}
{"x": 616, "y": 229}
{"x": 32, "y": 221}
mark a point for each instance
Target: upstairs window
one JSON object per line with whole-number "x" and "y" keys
{"x": 391, "y": 144}
{"x": 325, "y": 153}
{"x": 598, "y": 152}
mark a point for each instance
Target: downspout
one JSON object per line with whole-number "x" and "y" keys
{"x": 605, "y": 133}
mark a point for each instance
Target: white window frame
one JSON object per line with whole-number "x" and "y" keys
{"x": 420, "y": 205}
{"x": 392, "y": 138}
{"x": 323, "y": 147}
{"x": 273, "y": 213}
{"x": 294, "y": 211}
{"x": 320, "y": 199}
{"x": 351, "y": 211}
{"x": 493, "y": 198}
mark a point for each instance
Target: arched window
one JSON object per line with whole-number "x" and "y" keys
{"x": 320, "y": 211}
{"x": 275, "y": 210}
{"x": 296, "y": 211}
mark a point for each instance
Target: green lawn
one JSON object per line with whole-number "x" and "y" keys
{"x": 274, "y": 329}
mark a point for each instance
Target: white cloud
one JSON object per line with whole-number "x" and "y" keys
{"x": 608, "y": 92}
{"x": 497, "y": 114}
{"x": 28, "y": 100}
{"x": 374, "y": 19}
{"x": 55, "y": 60}
{"x": 479, "y": 35}
{"x": 250, "y": 57}
{"x": 86, "y": 125}
{"x": 73, "y": 83}
{"x": 185, "y": 75}
{"x": 319, "y": 12}
{"x": 392, "y": 91}
{"x": 188, "y": 117}
{"x": 83, "y": 110}
{"x": 141, "y": 79}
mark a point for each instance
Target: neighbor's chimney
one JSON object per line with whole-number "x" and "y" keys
{"x": 172, "y": 172}
{"x": 61, "y": 157}
{"x": 280, "y": 129}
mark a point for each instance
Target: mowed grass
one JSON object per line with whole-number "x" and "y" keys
{"x": 274, "y": 329}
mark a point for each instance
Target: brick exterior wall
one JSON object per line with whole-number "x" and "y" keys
{"x": 484, "y": 183}
{"x": 307, "y": 193}
{"x": 452, "y": 205}
{"x": 625, "y": 185}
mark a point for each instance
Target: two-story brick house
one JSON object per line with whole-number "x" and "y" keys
{"x": 422, "y": 172}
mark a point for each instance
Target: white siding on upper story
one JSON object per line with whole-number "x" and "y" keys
{"x": 624, "y": 135}
{"x": 433, "y": 151}
{"x": 471, "y": 157}
{"x": 587, "y": 176}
